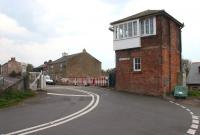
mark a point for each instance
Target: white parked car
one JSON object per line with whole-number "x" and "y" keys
{"x": 49, "y": 80}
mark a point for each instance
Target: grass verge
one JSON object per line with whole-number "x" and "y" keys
{"x": 12, "y": 97}
{"x": 192, "y": 93}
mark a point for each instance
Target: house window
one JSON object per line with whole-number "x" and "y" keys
{"x": 121, "y": 31}
{"x": 137, "y": 64}
{"x": 125, "y": 30}
{"x": 151, "y": 25}
{"x": 61, "y": 66}
{"x": 142, "y": 27}
{"x": 130, "y": 29}
{"x": 135, "y": 28}
{"x": 116, "y": 32}
{"x": 147, "y": 26}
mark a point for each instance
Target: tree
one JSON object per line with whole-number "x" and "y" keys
{"x": 29, "y": 68}
{"x": 186, "y": 64}
{"x": 13, "y": 74}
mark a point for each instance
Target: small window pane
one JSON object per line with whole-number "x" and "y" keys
{"x": 116, "y": 32}
{"x": 120, "y": 31}
{"x": 125, "y": 30}
{"x": 151, "y": 25}
{"x": 137, "y": 64}
{"x": 147, "y": 26}
{"x": 135, "y": 28}
{"x": 130, "y": 29}
{"x": 142, "y": 27}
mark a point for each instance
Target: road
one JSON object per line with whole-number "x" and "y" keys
{"x": 96, "y": 111}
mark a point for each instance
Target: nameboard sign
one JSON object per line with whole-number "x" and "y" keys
{"x": 123, "y": 59}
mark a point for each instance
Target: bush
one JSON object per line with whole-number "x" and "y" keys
{"x": 14, "y": 74}
{"x": 194, "y": 93}
{"x": 11, "y": 97}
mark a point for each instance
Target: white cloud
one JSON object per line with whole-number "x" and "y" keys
{"x": 9, "y": 26}
{"x": 70, "y": 26}
{"x": 184, "y": 11}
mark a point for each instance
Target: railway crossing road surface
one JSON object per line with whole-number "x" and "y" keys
{"x": 66, "y": 110}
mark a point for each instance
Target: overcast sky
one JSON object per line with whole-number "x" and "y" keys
{"x": 34, "y": 31}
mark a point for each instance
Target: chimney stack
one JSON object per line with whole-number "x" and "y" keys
{"x": 64, "y": 54}
{"x": 84, "y": 50}
{"x": 12, "y": 58}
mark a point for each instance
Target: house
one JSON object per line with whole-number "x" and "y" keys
{"x": 10, "y": 66}
{"x": 193, "y": 79}
{"x": 76, "y": 65}
{"x": 147, "y": 48}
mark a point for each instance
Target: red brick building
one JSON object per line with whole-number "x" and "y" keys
{"x": 10, "y": 66}
{"x": 78, "y": 65}
{"x": 148, "y": 52}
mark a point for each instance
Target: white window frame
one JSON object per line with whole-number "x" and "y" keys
{"x": 117, "y": 34}
{"x": 149, "y": 27}
{"x": 134, "y": 64}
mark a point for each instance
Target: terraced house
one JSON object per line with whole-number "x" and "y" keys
{"x": 10, "y": 66}
{"x": 147, "y": 47}
{"x": 76, "y": 65}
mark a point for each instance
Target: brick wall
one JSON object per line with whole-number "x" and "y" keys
{"x": 160, "y": 62}
{"x": 81, "y": 65}
{"x": 11, "y": 65}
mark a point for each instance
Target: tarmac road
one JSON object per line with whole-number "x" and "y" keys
{"x": 96, "y": 111}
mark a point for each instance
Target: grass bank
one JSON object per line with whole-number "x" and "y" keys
{"x": 12, "y": 97}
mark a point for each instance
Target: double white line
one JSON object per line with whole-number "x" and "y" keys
{"x": 93, "y": 103}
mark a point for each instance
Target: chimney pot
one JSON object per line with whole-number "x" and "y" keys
{"x": 84, "y": 50}
{"x": 64, "y": 54}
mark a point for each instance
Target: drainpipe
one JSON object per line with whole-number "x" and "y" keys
{"x": 180, "y": 53}
{"x": 169, "y": 55}
{"x": 161, "y": 60}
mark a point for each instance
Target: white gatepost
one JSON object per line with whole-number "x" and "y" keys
{"x": 43, "y": 82}
{"x": 41, "y": 79}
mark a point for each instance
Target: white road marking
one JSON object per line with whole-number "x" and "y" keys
{"x": 195, "y": 121}
{"x": 69, "y": 95}
{"x": 191, "y": 113}
{"x": 194, "y": 126}
{"x": 177, "y": 104}
{"x": 183, "y": 106}
{"x": 62, "y": 120}
{"x": 195, "y": 117}
{"x": 191, "y": 131}
{"x": 188, "y": 110}
{"x": 171, "y": 102}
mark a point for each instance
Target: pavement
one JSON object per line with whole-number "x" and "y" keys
{"x": 97, "y": 111}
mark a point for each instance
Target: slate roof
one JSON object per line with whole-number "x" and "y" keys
{"x": 147, "y": 13}
{"x": 65, "y": 58}
{"x": 194, "y": 75}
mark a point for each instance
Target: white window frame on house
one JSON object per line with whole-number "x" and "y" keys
{"x": 61, "y": 66}
{"x": 137, "y": 64}
{"x": 148, "y": 26}
{"x": 139, "y": 28}
{"x": 123, "y": 30}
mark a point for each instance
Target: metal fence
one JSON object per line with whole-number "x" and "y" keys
{"x": 37, "y": 81}
{"x": 85, "y": 81}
